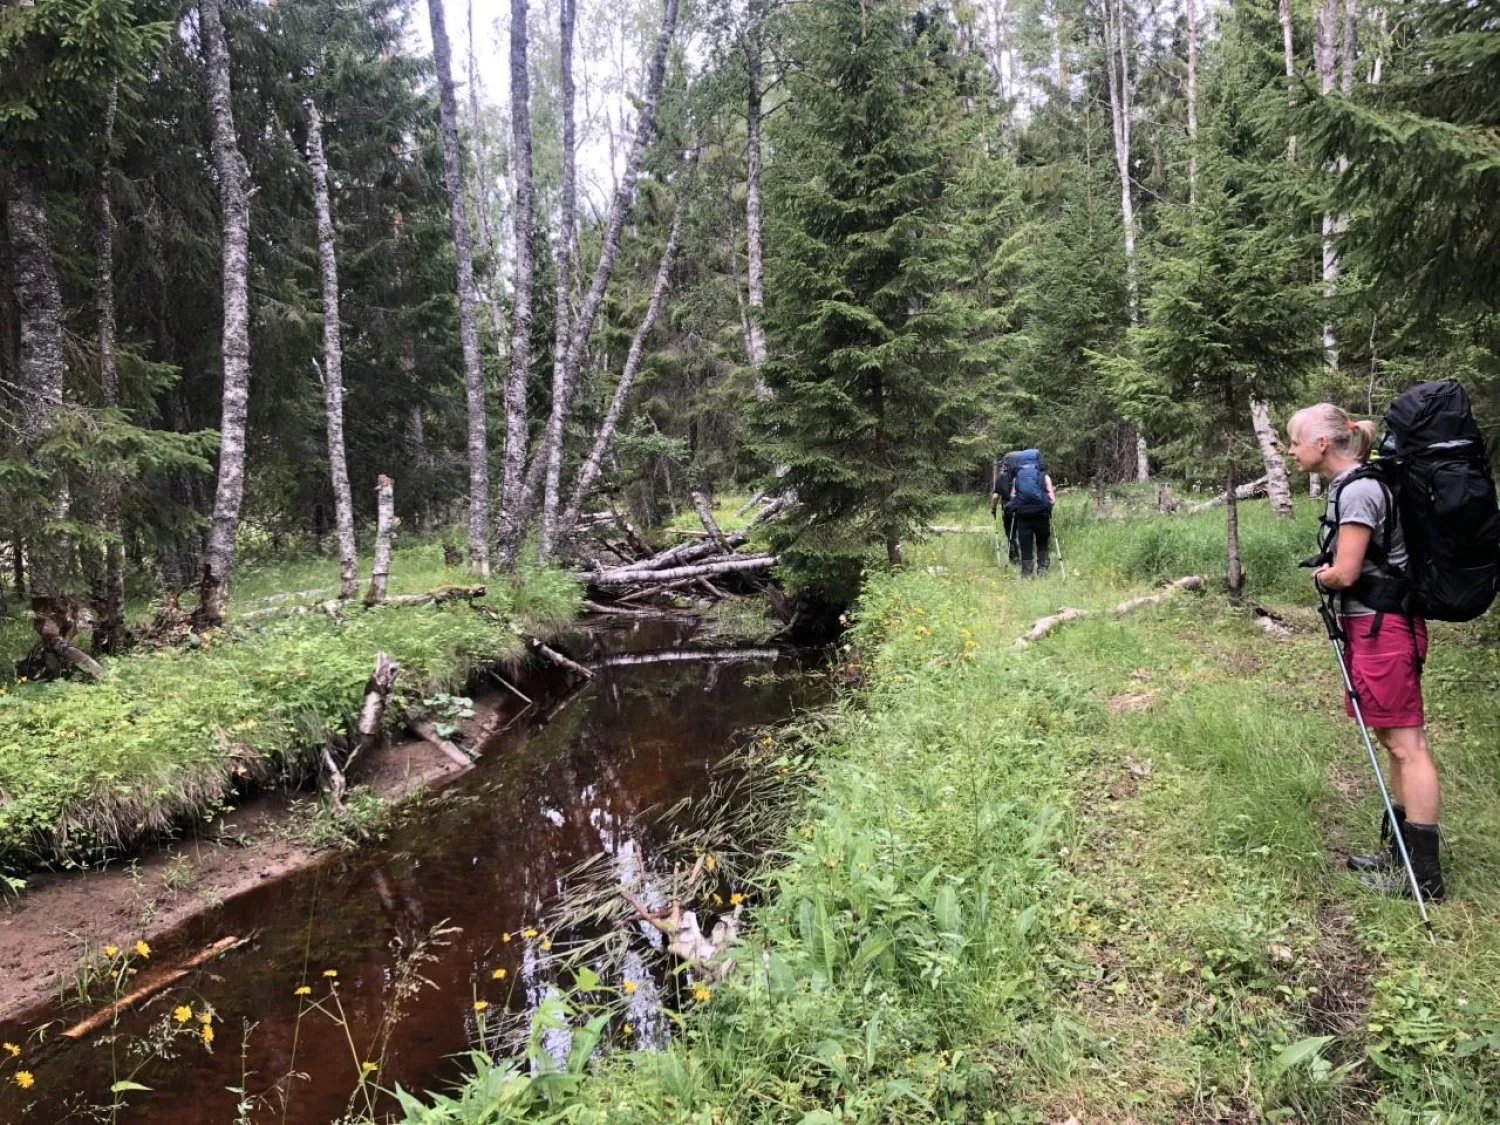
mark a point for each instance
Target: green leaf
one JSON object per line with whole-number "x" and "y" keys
{"x": 1301, "y": 1051}
{"x": 124, "y": 1086}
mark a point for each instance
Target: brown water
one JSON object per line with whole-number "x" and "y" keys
{"x": 489, "y": 855}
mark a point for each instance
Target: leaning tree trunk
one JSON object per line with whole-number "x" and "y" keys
{"x": 512, "y": 509}
{"x": 234, "y": 201}
{"x": 590, "y": 470}
{"x": 549, "y": 456}
{"x": 468, "y": 328}
{"x": 110, "y": 626}
{"x": 333, "y": 359}
{"x": 1278, "y": 488}
{"x": 40, "y": 312}
{"x": 1117, "y": 55}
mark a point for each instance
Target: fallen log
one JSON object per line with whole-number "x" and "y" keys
{"x": 439, "y": 596}
{"x": 619, "y": 610}
{"x": 372, "y": 711}
{"x": 687, "y": 656}
{"x": 558, "y": 658}
{"x": 1251, "y": 491}
{"x": 706, "y": 517}
{"x": 1045, "y": 625}
{"x": 134, "y": 997}
{"x": 428, "y": 733}
{"x": 634, "y": 576}
{"x": 750, "y": 503}
{"x": 775, "y": 507}
{"x": 1190, "y": 582}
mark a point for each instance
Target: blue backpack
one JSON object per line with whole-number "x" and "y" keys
{"x": 1031, "y": 484}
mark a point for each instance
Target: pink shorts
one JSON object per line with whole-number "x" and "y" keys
{"x": 1386, "y": 669}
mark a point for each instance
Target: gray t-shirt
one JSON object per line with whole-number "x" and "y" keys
{"x": 1364, "y": 502}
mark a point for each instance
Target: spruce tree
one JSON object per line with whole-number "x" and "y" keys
{"x": 879, "y": 359}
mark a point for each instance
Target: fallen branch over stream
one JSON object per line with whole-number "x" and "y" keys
{"x": 130, "y": 999}
{"x": 687, "y": 656}
{"x": 630, "y": 576}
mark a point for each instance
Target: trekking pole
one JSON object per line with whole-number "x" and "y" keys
{"x": 1336, "y": 638}
{"x": 995, "y": 539}
{"x": 1062, "y": 563}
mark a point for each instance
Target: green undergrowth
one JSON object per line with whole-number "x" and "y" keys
{"x": 168, "y": 736}
{"x": 1099, "y": 878}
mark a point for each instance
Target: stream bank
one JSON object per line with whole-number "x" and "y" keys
{"x": 482, "y": 854}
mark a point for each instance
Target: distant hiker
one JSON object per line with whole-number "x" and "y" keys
{"x": 1004, "y": 481}
{"x": 1029, "y": 504}
{"x": 1365, "y": 563}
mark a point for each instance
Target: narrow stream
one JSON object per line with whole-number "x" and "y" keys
{"x": 488, "y": 856}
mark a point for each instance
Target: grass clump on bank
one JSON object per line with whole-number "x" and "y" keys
{"x": 168, "y": 736}
{"x": 1099, "y": 879}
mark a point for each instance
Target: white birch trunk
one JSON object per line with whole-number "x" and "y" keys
{"x": 512, "y": 514}
{"x": 589, "y": 472}
{"x": 39, "y": 305}
{"x": 234, "y": 202}
{"x": 468, "y": 328}
{"x": 385, "y": 518}
{"x": 1235, "y": 570}
{"x": 1117, "y": 51}
{"x": 333, "y": 358}
{"x": 1278, "y": 487}
{"x": 549, "y": 458}
{"x": 481, "y": 196}
{"x": 754, "y": 249}
{"x": 1325, "y": 55}
{"x": 1289, "y": 60}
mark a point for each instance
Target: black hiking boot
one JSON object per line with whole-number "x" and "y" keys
{"x": 1387, "y": 857}
{"x": 1422, "y": 844}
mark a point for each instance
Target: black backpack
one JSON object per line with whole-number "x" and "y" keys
{"x": 1433, "y": 460}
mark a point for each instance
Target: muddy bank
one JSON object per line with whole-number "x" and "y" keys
{"x": 485, "y": 853}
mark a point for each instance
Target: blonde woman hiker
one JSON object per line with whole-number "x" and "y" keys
{"x": 1385, "y": 644}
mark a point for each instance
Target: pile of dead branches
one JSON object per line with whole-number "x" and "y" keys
{"x": 634, "y": 573}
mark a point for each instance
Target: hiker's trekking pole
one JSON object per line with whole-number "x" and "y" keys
{"x": 995, "y": 539}
{"x": 1336, "y": 638}
{"x": 1062, "y": 563}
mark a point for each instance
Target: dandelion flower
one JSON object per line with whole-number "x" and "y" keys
{"x": 111, "y": 950}
{"x": 709, "y": 862}
{"x": 182, "y": 1014}
{"x": 499, "y": 974}
{"x": 303, "y": 990}
{"x": 330, "y": 973}
{"x": 628, "y": 1030}
{"x": 481, "y": 1005}
{"x": 505, "y": 937}
{"x": 24, "y": 1079}
{"x": 546, "y": 943}
{"x": 369, "y": 1067}
{"x": 207, "y": 1017}
{"x": 630, "y": 987}
{"x": 208, "y": 1035}
{"x": 528, "y": 933}
{"x": 142, "y": 949}
{"x": 736, "y": 898}
{"x": 701, "y": 993}
{"x": 15, "y": 1052}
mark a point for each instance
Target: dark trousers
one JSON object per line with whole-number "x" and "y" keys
{"x": 1033, "y": 530}
{"x": 1008, "y": 519}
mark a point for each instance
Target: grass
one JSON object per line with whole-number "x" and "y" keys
{"x": 1092, "y": 879}
{"x": 168, "y": 736}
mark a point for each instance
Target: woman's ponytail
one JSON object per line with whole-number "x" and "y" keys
{"x": 1344, "y": 434}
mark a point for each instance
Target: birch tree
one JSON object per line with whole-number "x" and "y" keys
{"x": 1117, "y": 70}
{"x": 234, "y": 203}
{"x": 333, "y": 358}
{"x": 468, "y": 328}
{"x": 109, "y": 629}
{"x": 754, "y": 250}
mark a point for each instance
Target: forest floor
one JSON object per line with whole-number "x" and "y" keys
{"x": 1099, "y": 880}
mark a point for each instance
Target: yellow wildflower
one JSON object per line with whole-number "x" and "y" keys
{"x": 208, "y": 1035}
{"x": 111, "y": 950}
{"x": 546, "y": 943}
{"x": 206, "y": 1016}
{"x": 630, "y": 987}
{"x": 528, "y": 933}
{"x": 498, "y": 974}
{"x": 481, "y": 1005}
{"x": 709, "y": 862}
{"x": 142, "y": 949}
{"x": 628, "y": 1030}
{"x": 505, "y": 937}
{"x": 15, "y": 1051}
{"x": 369, "y": 1067}
{"x": 182, "y": 1013}
{"x": 718, "y": 900}
{"x": 736, "y": 898}
{"x": 330, "y": 973}
{"x": 24, "y": 1079}
{"x": 303, "y": 990}
{"x": 701, "y": 993}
